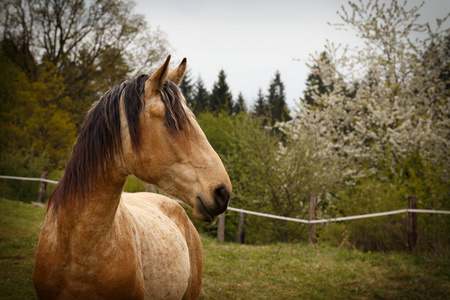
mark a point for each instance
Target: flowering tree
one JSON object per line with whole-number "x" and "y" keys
{"x": 395, "y": 105}
{"x": 386, "y": 119}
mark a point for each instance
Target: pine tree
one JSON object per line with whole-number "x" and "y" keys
{"x": 314, "y": 83}
{"x": 260, "y": 107}
{"x": 186, "y": 88}
{"x": 200, "y": 97}
{"x": 221, "y": 97}
{"x": 240, "y": 105}
{"x": 276, "y": 100}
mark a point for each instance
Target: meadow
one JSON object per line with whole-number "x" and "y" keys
{"x": 232, "y": 271}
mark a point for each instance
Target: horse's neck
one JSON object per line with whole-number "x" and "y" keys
{"x": 91, "y": 220}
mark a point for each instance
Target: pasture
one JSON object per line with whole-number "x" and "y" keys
{"x": 232, "y": 271}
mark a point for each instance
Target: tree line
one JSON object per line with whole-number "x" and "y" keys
{"x": 200, "y": 100}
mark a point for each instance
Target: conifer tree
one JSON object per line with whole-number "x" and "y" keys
{"x": 200, "y": 97}
{"x": 314, "y": 83}
{"x": 276, "y": 100}
{"x": 260, "y": 106}
{"x": 240, "y": 105}
{"x": 186, "y": 87}
{"x": 221, "y": 97}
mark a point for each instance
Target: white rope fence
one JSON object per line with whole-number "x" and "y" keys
{"x": 387, "y": 213}
{"x": 28, "y": 179}
{"x": 341, "y": 218}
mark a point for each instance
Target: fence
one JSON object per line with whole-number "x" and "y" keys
{"x": 411, "y": 210}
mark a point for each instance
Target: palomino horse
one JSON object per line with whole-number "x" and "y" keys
{"x": 99, "y": 244}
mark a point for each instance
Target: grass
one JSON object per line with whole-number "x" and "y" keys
{"x": 296, "y": 271}
{"x": 20, "y": 225}
{"x": 231, "y": 271}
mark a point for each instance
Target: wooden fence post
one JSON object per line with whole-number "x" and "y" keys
{"x": 241, "y": 228}
{"x": 221, "y": 229}
{"x": 42, "y": 187}
{"x": 412, "y": 222}
{"x": 312, "y": 216}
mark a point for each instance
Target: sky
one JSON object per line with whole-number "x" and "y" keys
{"x": 251, "y": 40}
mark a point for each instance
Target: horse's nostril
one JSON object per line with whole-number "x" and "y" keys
{"x": 221, "y": 196}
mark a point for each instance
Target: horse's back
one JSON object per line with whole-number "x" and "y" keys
{"x": 170, "y": 246}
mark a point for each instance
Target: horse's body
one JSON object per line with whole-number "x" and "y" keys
{"x": 97, "y": 243}
{"x": 118, "y": 265}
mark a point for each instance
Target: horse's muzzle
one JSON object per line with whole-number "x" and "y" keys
{"x": 221, "y": 198}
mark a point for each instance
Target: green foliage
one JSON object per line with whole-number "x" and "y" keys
{"x": 276, "y": 100}
{"x": 217, "y": 128}
{"x": 221, "y": 97}
{"x": 37, "y": 122}
{"x": 386, "y": 191}
{"x": 187, "y": 89}
{"x": 133, "y": 185}
{"x": 260, "y": 108}
{"x": 48, "y": 128}
{"x": 267, "y": 175}
{"x": 273, "y": 175}
{"x": 201, "y": 97}
{"x": 9, "y": 84}
{"x": 52, "y": 69}
{"x": 240, "y": 105}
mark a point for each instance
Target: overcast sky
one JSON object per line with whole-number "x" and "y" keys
{"x": 251, "y": 40}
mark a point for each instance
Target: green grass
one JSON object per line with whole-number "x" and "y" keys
{"x": 20, "y": 225}
{"x": 286, "y": 271}
{"x": 231, "y": 271}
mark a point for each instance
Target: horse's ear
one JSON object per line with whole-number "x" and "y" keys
{"x": 158, "y": 78}
{"x": 177, "y": 74}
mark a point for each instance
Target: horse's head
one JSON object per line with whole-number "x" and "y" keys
{"x": 174, "y": 153}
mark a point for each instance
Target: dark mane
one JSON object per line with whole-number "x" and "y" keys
{"x": 99, "y": 141}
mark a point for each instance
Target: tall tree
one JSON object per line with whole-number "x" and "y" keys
{"x": 315, "y": 84}
{"x": 221, "y": 97}
{"x": 240, "y": 105}
{"x": 200, "y": 97}
{"x": 37, "y": 122}
{"x": 82, "y": 39}
{"x": 187, "y": 87}
{"x": 260, "y": 107}
{"x": 276, "y": 100}
{"x": 68, "y": 53}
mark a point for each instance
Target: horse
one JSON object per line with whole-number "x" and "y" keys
{"x": 99, "y": 243}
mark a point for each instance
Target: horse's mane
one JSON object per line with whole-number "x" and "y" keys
{"x": 99, "y": 142}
